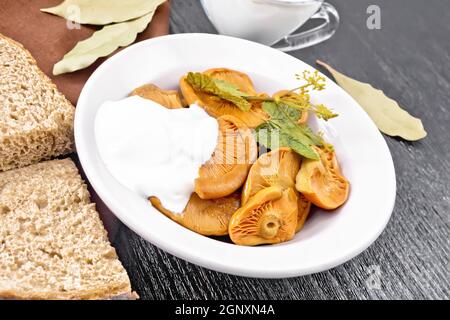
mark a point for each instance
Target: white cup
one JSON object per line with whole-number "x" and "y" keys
{"x": 272, "y": 22}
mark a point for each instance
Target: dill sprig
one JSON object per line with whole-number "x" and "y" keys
{"x": 283, "y": 128}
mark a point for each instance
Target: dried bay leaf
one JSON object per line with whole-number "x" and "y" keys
{"x": 102, "y": 12}
{"x": 101, "y": 44}
{"x": 389, "y": 117}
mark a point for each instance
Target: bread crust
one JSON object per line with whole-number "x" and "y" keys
{"x": 99, "y": 294}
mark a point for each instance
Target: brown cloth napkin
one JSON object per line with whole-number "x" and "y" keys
{"x": 48, "y": 38}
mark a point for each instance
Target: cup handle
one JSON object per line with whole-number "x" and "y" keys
{"x": 314, "y": 36}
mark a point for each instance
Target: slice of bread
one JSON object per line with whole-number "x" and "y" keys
{"x": 52, "y": 242}
{"x": 36, "y": 120}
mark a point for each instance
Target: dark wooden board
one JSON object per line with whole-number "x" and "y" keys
{"x": 409, "y": 58}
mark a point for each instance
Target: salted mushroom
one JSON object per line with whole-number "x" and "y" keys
{"x": 228, "y": 167}
{"x": 269, "y": 217}
{"x": 206, "y": 217}
{"x": 304, "y": 208}
{"x": 322, "y": 182}
{"x": 167, "y": 98}
{"x": 276, "y": 168}
{"x": 217, "y": 107}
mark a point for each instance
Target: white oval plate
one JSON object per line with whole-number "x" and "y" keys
{"x": 327, "y": 240}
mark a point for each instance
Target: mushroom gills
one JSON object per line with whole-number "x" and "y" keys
{"x": 230, "y": 162}
{"x": 278, "y": 167}
{"x": 322, "y": 182}
{"x": 269, "y": 217}
{"x": 206, "y": 217}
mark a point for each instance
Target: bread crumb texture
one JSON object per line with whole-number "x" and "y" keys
{"x": 36, "y": 120}
{"x": 52, "y": 242}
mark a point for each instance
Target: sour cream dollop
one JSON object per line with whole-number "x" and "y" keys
{"x": 155, "y": 151}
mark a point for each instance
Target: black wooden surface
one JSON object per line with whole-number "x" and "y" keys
{"x": 409, "y": 58}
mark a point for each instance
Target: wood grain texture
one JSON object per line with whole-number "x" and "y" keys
{"x": 409, "y": 58}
